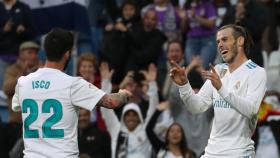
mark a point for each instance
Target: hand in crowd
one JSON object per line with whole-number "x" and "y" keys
{"x": 178, "y": 74}
{"x": 151, "y": 74}
{"x": 127, "y": 79}
{"x": 197, "y": 63}
{"x": 240, "y": 11}
{"x": 20, "y": 29}
{"x": 105, "y": 72}
{"x": 213, "y": 76}
{"x": 182, "y": 14}
{"x": 8, "y": 26}
{"x": 120, "y": 26}
{"x": 163, "y": 106}
{"x": 109, "y": 27}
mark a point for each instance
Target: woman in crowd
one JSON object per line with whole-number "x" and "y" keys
{"x": 175, "y": 144}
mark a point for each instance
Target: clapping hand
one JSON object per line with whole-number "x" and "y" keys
{"x": 178, "y": 74}
{"x": 213, "y": 76}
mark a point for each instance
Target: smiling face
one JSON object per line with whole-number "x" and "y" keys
{"x": 86, "y": 69}
{"x": 131, "y": 120}
{"x": 227, "y": 45}
{"x": 175, "y": 52}
{"x": 175, "y": 135}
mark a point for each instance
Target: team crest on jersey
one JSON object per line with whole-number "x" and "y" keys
{"x": 223, "y": 73}
{"x": 237, "y": 85}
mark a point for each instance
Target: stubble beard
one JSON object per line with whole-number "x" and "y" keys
{"x": 233, "y": 55}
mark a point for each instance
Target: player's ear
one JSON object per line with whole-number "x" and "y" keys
{"x": 240, "y": 41}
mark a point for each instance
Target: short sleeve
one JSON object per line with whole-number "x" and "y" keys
{"x": 85, "y": 94}
{"x": 15, "y": 100}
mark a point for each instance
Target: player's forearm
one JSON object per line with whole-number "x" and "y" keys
{"x": 113, "y": 100}
{"x": 194, "y": 102}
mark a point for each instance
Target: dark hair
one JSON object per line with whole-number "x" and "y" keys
{"x": 183, "y": 143}
{"x": 57, "y": 42}
{"x": 175, "y": 41}
{"x": 240, "y": 31}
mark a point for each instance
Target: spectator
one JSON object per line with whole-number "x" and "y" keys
{"x": 128, "y": 135}
{"x": 168, "y": 20}
{"x": 146, "y": 43}
{"x": 27, "y": 62}
{"x": 267, "y": 133}
{"x": 200, "y": 19}
{"x": 175, "y": 144}
{"x": 175, "y": 53}
{"x": 196, "y": 127}
{"x": 98, "y": 17}
{"x": 92, "y": 141}
{"x": 249, "y": 13}
{"x": 16, "y": 26}
{"x": 115, "y": 45}
{"x": 87, "y": 68}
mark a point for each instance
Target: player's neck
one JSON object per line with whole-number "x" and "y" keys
{"x": 54, "y": 65}
{"x": 239, "y": 60}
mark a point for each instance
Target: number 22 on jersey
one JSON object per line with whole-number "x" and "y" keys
{"x": 47, "y": 130}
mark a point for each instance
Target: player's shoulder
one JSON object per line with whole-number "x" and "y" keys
{"x": 254, "y": 70}
{"x": 252, "y": 66}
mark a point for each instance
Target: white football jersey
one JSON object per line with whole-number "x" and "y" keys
{"x": 49, "y": 101}
{"x": 235, "y": 108}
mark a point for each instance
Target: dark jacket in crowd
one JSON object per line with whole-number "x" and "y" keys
{"x": 20, "y": 14}
{"x": 145, "y": 48}
{"x": 94, "y": 142}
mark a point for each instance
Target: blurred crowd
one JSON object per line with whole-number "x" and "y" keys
{"x": 128, "y": 44}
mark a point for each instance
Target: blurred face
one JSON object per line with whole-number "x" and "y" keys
{"x": 227, "y": 45}
{"x": 150, "y": 20}
{"x": 29, "y": 56}
{"x": 175, "y": 52}
{"x": 128, "y": 11}
{"x": 131, "y": 120}
{"x": 175, "y": 134}
{"x": 84, "y": 118}
{"x": 86, "y": 69}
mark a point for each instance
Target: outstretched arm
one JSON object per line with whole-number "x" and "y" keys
{"x": 114, "y": 100}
